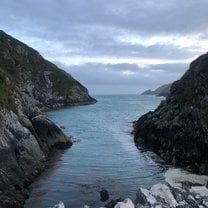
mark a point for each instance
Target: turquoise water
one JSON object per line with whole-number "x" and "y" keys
{"x": 105, "y": 157}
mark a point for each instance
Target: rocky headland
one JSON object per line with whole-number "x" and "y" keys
{"x": 178, "y": 129}
{"x": 29, "y": 84}
{"x": 163, "y": 90}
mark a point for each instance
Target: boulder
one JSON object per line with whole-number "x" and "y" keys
{"x": 127, "y": 203}
{"x": 104, "y": 195}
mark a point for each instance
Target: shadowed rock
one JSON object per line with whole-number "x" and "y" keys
{"x": 104, "y": 196}
{"x": 178, "y": 129}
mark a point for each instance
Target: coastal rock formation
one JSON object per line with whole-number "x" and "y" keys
{"x": 178, "y": 129}
{"x": 163, "y": 195}
{"x": 180, "y": 195}
{"x": 42, "y": 82}
{"x": 29, "y": 83}
{"x": 164, "y": 90}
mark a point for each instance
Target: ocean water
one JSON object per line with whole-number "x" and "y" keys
{"x": 104, "y": 157}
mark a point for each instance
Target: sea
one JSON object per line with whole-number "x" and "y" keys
{"x": 104, "y": 155}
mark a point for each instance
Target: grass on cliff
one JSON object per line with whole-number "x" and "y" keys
{"x": 62, "y": 82}
{"x": 6, "y": 93}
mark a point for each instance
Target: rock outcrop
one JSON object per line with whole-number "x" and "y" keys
{"x": 178, "y": 129}
{"x": 164, "y": 91}
{"x": 29, "y": 83}
{"x": 166, "y": 196}
{"x": 44, "y": 84}
{"x": 184, "y": 195}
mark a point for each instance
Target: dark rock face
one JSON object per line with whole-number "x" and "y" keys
{"x": 29, "y": 83}
{"x": 50, "y": 134}
{"x": 178, "y": 129}
{"x": 164, "y": 90}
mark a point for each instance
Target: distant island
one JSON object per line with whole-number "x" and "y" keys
{"x": 163, "y": 90}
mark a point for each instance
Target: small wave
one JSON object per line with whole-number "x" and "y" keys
{"x": 177, "y": 176}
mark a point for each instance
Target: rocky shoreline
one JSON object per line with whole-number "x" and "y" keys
{"x": 26, "y": 143}
{"x": 162, "y": 196}
{"x": 178, "y": 129}
{"x": 181, "y": 190}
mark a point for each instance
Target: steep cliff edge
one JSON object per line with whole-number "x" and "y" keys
{"x": 29, "y": 83}
{"x": 44, "y": 83}
{"x": 178, "y": 129}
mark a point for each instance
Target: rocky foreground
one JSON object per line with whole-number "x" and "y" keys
{"x": 178, "y": 129}
{"x": 181, "y": 190}
{"x": 29, "y": 84}
{"x": 164, "y": 196}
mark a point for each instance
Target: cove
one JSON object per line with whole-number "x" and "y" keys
{"x": 105, "y": 156}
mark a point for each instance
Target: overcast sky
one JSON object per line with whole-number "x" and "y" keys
{"x": 112, "y": 46}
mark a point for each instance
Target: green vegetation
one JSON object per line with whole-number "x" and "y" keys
{"x": 62, "y": 82}
{"x": 22, "y": 67}
{"x": 6, "y": 93}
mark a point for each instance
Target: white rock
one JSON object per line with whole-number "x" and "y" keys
{"x": 149, "y": 198}
{"x": 127, "y": 203}
{"x": 205, "y": 202}
{"x": 158, "y": 206}
{"x": 59, "y": 205}
{"x": 201, "y": 190}
{"x": 191, "y": 197}
{"x": 163, "y": 191}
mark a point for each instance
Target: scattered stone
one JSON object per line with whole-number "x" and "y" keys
{"x": 104, "y": 195}
{"x": 163, "y": 192}
{"x": 127, "y": 203}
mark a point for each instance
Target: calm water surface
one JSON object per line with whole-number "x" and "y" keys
{"x": 105, "y": 157}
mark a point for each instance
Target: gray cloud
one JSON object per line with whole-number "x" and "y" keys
{"x": 124, "y": 78}
{"x": 104, "y": 28}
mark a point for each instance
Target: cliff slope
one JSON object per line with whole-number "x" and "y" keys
{"x": 178, "y": 129}
{"x": 29, "y": 83}
{"x": 44, "y": 83}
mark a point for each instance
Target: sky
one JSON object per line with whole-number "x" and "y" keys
{"x": 112, "y": 46}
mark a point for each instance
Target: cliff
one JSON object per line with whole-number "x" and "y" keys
{"x": 178, "y": 129}
{"x": 163, "y": 90}
{"x": 29, "y": 83}
{"x": 44, "y": 83}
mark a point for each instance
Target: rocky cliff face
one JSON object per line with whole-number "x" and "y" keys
{"x": 44, "y": 83}
{"x": 178, "y": 129}
{"x": 29, "y": 83}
